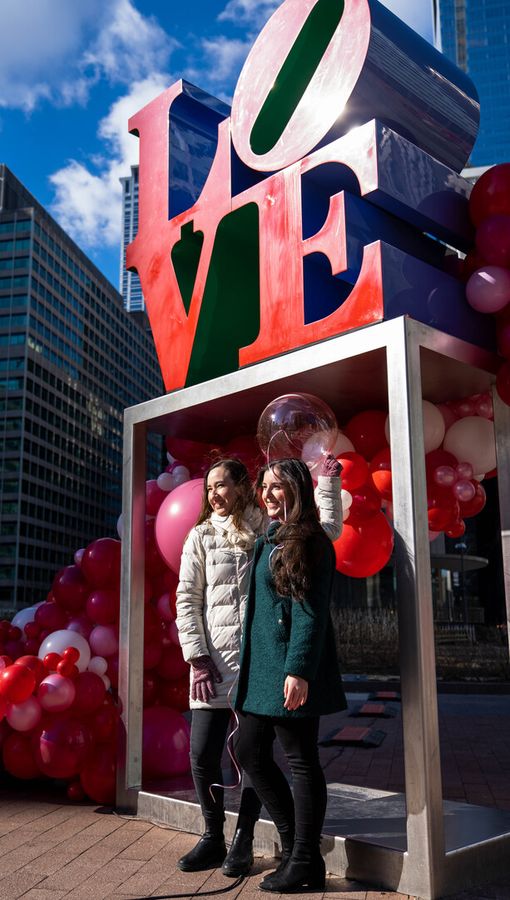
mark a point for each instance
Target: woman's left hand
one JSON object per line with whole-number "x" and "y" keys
{"x": 295, "y": 692}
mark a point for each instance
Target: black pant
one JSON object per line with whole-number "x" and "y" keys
{"x": 208, "y": 734}
{"x": 298, "y": 738}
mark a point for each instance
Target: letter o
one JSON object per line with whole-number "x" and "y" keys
{"x": 281, "y": 109}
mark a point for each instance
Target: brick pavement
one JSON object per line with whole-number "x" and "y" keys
{"x": 50, "y": 849}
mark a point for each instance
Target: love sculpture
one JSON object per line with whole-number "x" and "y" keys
{"x": 322, "y": 203}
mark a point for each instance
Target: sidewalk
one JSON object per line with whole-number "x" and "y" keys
{"x": 51, "y": 849}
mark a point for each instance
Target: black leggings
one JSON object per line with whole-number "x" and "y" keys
{"x": 304, "y": 815}
{"x": 208, "y": 734}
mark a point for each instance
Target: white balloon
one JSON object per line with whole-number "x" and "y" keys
{"x": 346, "y": 499}
{"x": 342, "y": 445}
{"x": 316, "y": 447}
{"x": 433, "y": 426}
{"x": 120, "y": 521}
{"x": 24, "y": 616}
{"x": 471, "y": 439}
{"x": 165, "y": 481}
{"x": 98, "y": 665}
{"x": 106, "y": 681}
{"x": 58, "y": 641}
{"x": 181, "y": 475}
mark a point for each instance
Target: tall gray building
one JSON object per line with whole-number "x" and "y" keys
{"x": 71, "y": 360}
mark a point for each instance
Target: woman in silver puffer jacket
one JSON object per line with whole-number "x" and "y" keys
{"x": 211, "y": 598}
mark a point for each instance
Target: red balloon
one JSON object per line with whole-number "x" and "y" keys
{"x": 491, "y": 194}
{"x": 364, "y": 549}
{"x": 472, "y": 262}
{"x": 152, "y": 653}
{"x": 154, "y": 497}
{"x": 503, "y": 333}
{"x": 366, "y": 431}
{"x": 175, "y": 694}
{"x": 104, "y": 723}
{"x": 165, "y": 743}
{"x": 18, "y": 756}
{"x": 151, "y": 685}
{"x": 433, "y": 460}
{"x": 103, "y": 606}
{"x": 70, "y": 589}
{"x": 98, "y": 775}
{"x": 172, "y": 665}
{"x": 493, "y": 240}
{"x": 35, "y": 664}
{"x": 456, "y": 530}
{"x": 154, "y": 562}
{"x": 113, "y": 670}
{"x": 67, "y": 669}
{"x": 51, "y": 661}
{"x": 246, "y": 449}
{"x": 50, "y": 616}
{"x": 366, "y": 503}
{"x": 354, "y": 470}
{"x": 61, "y": 746}
{"x": 101, "y": 562}
{"x": 503, "y": 382}
{"x": 90, "y": 692}
{"x": 194, "y": 454}
{"x": 5, "y": 661}
{"x": 165, "y": 582}
{"x": 17, "y": 683}
{"x": 32, "y": 630}
{"x": 75, "y": 791}
{"x": 380, "y": 471}
{"x": 474, "y": 506}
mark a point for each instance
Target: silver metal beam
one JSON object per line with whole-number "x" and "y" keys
{"x": 502, "y": 428}
{"x": 129, "y": 770}
{"x": 425, "y": 835}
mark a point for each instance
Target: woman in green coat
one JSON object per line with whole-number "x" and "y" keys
{"x": 288, "y": 671}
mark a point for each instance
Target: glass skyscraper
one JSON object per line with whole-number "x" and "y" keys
{"x": 71, "y": 360}
{"x": 129, "y": 282}
{"x": 475, "y": 34}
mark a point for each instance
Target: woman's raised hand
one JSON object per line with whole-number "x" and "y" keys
{"x": 295, "y": 692}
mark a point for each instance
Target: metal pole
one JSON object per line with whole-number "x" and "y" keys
{"x": 425, "y": 834}
{"x": 129, "y": 767}
{"x": 502, "y": 429}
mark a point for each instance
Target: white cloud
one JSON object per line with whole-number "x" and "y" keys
{"x": 68, "y": 46}
{"x": 88, "y": 199}
{"x": 252, "y": 13}
{"x": 224, "y": 58}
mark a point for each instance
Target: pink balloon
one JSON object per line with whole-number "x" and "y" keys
{"x": 464, "y": 490}
{"x": 78, "y": 556}
{"x": 488, "y": 289}
{"x": 484, "y": 406}
{"x": 154, "y": 497}
{"x": 103, "y": 640}
{"x": 164, "y": 607}
{"x": 56, "y": 693}
{"x": 81, "y": 624}
{"x": 445, "y": 476}
{"x": 176, "y": 517}
{"x": 464, "y": 470}
{"x": 165, "y": 742}
{"x": 24, "y": 716}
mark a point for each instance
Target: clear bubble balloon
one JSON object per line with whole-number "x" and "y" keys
{"x": 297, "y": 423}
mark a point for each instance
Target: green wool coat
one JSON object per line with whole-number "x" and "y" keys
{"x": 283, "y": 637}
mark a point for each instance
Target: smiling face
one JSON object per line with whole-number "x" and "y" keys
{"x": 222, "y": 491}
{"x": 275, "y": 495}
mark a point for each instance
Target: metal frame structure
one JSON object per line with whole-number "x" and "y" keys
{"x": 398, "y": 361}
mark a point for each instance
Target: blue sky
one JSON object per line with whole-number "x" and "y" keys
{"x": 73, "y": 71}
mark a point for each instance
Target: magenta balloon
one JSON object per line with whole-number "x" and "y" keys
{"x": 103, "y": 640}
{"x": 493, "y": 240}
{"x": 176, "y": 517}
{"x": 165, "y": 742}
{"x": 488, "y": 289}
{"x": 56, "y": 693}
{"x": 464, "y": 490}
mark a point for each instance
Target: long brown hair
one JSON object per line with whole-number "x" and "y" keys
{"x": 291, "y": 563}
{"x": 245, "y": 497}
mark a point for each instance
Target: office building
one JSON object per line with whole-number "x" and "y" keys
{"x": 475, "y": 34}
{"x": 71, "y": 360}
{"x": 129, "y": 282}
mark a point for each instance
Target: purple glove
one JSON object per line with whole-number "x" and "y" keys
{"x": 203, "y": 675}
{"x": 330, "y": 466}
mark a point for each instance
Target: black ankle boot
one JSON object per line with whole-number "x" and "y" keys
{"x": 297, "y": 876}
{"x": 239, "y": 859}
{"x": 287, "y": 845}
{"x": 209, "y": 853}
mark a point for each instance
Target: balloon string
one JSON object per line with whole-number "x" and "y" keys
{"x": 230, "y": 739}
